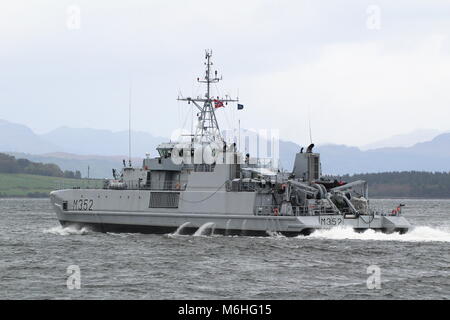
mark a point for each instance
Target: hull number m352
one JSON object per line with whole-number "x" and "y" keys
{"x": 83, "y": 205}
{"x": 330, "y": 221}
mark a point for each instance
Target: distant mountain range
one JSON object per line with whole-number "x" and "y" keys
{"x": 102, "y": 150}
{"x": 432, "y": 155}
{"x": 101, "y": 142}
{"x": 99, "y": 166}
{"x": 19, "y": 138}
{"x": 81, "y": 141}
{"x": 404, "y": 140}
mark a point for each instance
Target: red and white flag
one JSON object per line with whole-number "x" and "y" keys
{"x": 218, "y": 104}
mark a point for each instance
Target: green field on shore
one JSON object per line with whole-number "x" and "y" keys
{"x": 28, "y": 185}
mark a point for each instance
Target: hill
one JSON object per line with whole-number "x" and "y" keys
{"x": 19, "y": 138}
{"x": 99, "y": 166}
{"x": 103, "y": 150}
{"x": 34, "y": 186}
{"x": 411, "y": 184}
{"x": 85, "y": 141}
{"x": 429, "y": 156}
{"x": 9, "y": 164}
{"x": 404, "y": 140}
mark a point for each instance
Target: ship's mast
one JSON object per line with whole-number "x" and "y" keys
{"x": 208, "y": 130}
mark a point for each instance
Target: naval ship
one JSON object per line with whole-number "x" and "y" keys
{"x": 206, "y": 185}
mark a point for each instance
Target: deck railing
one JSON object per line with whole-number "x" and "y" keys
{"x": 274, "y": 210}
{"x": 81, "y": 184}
{"x": 165, "y": 185}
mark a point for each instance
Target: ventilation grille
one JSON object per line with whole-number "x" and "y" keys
{"x": 164, "y": 199}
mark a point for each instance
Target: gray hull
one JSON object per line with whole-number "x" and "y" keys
{"x": 147, "y": 220}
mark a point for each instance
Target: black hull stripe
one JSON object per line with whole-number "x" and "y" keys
{"x": 127, "y": 228}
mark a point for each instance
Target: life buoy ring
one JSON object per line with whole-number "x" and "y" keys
{"x": 275, "y": 211}
{"x": 177, "y": 186}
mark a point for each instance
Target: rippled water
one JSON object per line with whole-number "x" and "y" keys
{"x": 35, "y": 253}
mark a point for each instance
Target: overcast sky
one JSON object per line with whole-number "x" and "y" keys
{"x": 363, "y": 70}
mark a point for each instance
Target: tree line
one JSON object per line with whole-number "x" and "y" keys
{"x": 417, "y": 184}
{"x": 9, "y": 164}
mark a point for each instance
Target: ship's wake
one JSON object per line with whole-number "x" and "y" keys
{"x": 417, "y": 234}
{"x": 66, "y": 231}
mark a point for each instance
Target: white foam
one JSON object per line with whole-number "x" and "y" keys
{"x": 66, "y": 231}
{"x": 203, "y": 228}
{"x": 417, "y": 234}
{"x": 274, "y": 234}
{"x": 180, "y": 228}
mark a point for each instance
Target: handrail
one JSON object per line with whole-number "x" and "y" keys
{"x": 139, "y": 185}
{"x": 166, "y": 185}
{"x": 269, "y": 210}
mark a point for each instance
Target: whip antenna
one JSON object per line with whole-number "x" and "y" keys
{"x": 129, "y": 124}
{"x": 309, "y": 124}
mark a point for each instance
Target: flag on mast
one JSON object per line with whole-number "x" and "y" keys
{"x": 218, "y": 104}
